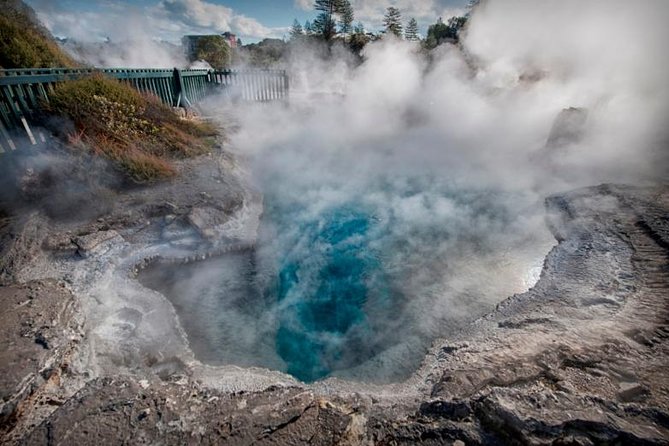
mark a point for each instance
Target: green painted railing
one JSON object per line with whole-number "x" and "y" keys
{"x": 252, "y": 85}
{"x": 23, "y": 92}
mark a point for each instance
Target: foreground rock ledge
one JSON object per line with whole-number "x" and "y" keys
{"x": 580, "y": 359}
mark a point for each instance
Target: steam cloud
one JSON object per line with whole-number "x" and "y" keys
{"x": 420, "y": 180}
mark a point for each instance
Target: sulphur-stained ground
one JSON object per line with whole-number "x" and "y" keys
{"x": 90, "y": 357}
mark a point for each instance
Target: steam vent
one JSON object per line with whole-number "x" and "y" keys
{"x": 226, "y": 222}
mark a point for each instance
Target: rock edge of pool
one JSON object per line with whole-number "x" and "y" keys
{"x": 92, "y": 357}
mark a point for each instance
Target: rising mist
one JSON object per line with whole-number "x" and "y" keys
{"x": 404, "y": 195}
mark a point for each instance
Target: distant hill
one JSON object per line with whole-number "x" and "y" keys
{"x": 24, "y": 43}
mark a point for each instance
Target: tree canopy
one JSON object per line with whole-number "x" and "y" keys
{"x": 213, "y": 49}
{"x": 393, "y": 21}
{"x": 296, "y": 31}
{"x": 325, "y": 24}
{"x": 441, "y": 32}
{"x": 411, "y": 31}
{"x": 346, "y": 17}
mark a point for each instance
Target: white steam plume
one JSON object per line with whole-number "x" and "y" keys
{"x": 445, "y": 160}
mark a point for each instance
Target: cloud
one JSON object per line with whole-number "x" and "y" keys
{"x": 201, "y": 15}
{"x": 306, "y": 5}
{"x": 167, "y": 20}
{"x": 426, "y": 12}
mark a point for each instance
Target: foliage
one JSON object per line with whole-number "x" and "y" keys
{"x": 24, "y": 43}
{"x": 266, "y": 53}
{"x": 456, "y": 24}
{"x": 138, "y": 132}
{"x": 441, "y": 32}
{"x": 325, "y": 24}
{"x": 346, "y": 17}
{"x": 213, "y": 49}
{"x": 296, "y": 31}
{"x": 393, "y": 21}
{"x": 328, "y": 6}
{"x": 358, "y": 40}
{"x": 411, "y": 31}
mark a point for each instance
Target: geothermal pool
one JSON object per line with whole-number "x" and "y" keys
{"x": 351, "y": 290}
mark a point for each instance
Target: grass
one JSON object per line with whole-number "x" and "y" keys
{"x": 139, "y": 133}
{"x": 24, "y": 43}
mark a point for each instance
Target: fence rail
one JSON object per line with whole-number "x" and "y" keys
{"x": 23, "y": 92}
{"x": 253, "y": 85}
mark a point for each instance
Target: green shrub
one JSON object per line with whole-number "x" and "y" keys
{"x": 138, "y": 132}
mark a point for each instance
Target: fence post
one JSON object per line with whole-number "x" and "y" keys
{"x": 286, "y": 85}
{"x": 179, "y": 91}
{"x": 176, "y": 87}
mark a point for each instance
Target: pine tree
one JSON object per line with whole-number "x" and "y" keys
{"x": 345, "y": 10}
{"x": 393, "y": 21}
{"x": 411, "y": 31}
{"x": 296, "y": 31}
{"x": 324, "y": 25}
{"x": 307, "y": 28}
{"x": 328, "y": 6}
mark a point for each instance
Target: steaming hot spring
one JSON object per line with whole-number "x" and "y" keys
{"x": 403, "y": 198}
{"x": 357, "y": 287}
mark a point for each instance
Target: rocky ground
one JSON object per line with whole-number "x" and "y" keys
{"x": 89, "y": 356}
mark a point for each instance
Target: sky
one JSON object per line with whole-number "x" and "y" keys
{"x": 251, "y": 20}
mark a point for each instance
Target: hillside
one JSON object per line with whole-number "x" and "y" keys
{"x": 140, "y": 135}
{"x": 24, "y": 43}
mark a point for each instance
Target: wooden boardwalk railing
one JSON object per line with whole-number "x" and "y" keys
{"x": 23, "y": 92}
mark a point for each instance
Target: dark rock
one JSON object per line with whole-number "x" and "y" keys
{"x": 568, "y": 127}
{"x": 452, "y": 410}
{"x": 89, "y": 244}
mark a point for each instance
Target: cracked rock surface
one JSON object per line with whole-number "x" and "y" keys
{"x": 580, "y": 359}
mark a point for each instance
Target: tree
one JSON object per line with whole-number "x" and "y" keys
{"x": 441, "y": 32}
{"x": 455, "y": 24}
{"x": 296, "y": 31}
{"x": 411, "y": 31}
{"x": 213, "y": 49}
{"x": 324, "y": 25}
{"x": 393, "y": 21}
{"x": 359, "y": 28}
{"x": 346, "y": 21}
{"x": 329, "y": 6}
{"x": 308, "y": 30}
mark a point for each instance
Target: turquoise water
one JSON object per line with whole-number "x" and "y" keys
{"x": 325, "y": 293}
{"x": 350, "y": 282}
{"x": 356, "y": 289}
